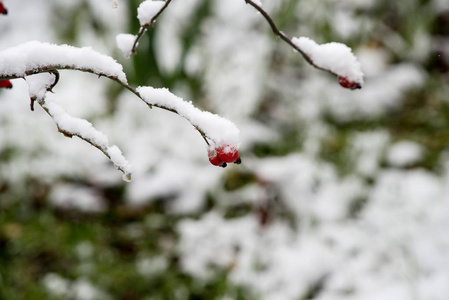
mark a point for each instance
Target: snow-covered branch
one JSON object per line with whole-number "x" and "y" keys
{"x": 38, "y": 63}
{"x": 335, "y": 58}
{"x": 147, "y": 13}
{"x": 35, "y": 57}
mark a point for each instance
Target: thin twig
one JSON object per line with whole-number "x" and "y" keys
{"x": 144, "y": 27}
{"x": 54, "y": 68}
{"x": 284, "y": 37}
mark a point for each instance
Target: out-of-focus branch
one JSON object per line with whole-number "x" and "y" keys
{"x": 143, "y": 28}
{"x": 283, "y": 36}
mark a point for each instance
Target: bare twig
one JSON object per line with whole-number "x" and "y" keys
{"x": 144, "y": 27}
{"x": 283, "y": 36}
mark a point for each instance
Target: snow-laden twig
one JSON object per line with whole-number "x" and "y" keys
{"x": 147, "y": 13}
{"x": 36, "y": 57}
{"x": 38, "y": 86}
{"x": 215, "y": 129}
{"x": 19, "y": 62}
{"x": 315, "y": 58}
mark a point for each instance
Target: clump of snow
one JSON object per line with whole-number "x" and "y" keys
{"x": 404, "y": 153}
{"x": 147, "y": 10}
{"x": 39, "y": 84}
{"x": 75, "y": 126}
{"x": 125, "y": 42}
{"x": 34, "y": 56}
{"x": 335, "y": 57}
{"x": 218, "y": 129}
{"x": 70, "y": 125}
{"x": 120, "y": 161}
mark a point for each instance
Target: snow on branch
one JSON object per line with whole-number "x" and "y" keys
{"x": 335, "y": 58}
{"x": 36, "y": 57}
{"x": 215, "y": 129}
{"x": 38, "y": 63}
{"x": 72, "y": 126}
{"x": 147, "y": 13}
{"x": 38, "y": 86}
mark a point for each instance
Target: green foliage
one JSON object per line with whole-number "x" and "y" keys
{"x": 47, "y": 240}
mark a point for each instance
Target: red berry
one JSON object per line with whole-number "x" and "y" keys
{"x": 228, "y": 154}
{"x": 346, "y": 83}
{"x": 3, "y": 10}
{"x": 214, "y": 159}
{"x": 6, "y": 84}
{"x": 217, "y": 162}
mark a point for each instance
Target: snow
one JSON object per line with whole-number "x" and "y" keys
{"x": 70, "y": 196}
{"x": 80, "y": 289}
{"x": 30, "y": 57}
{"x": 395, "y": 248}
{"x": 39, "y": 84}
{"x": 75, "y": 126}
{"x": 82, "y": 128}
{"x": 218, "y": 129}
{"x": 335, "y": 57}
{"x": 125, "y": 42}
{"x": 404, "y": 153}
{"x": 147, "y": 10}
{"x": 120, "y": 161}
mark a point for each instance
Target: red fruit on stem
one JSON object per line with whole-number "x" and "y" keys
{"x": 228, "y": 154}
{"x": 3, "y": 9}
{"x": 217, "y": 162}
{"x": 346, "y": 83}
{"x": 214, "y": 159}
{"x": 6, "y": 84}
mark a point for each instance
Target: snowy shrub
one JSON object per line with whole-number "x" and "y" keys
{"x": 341, "y": 193}
{"x": 29, "y": 59}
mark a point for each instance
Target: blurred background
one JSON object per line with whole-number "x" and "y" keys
{"x": 341, "y": 194}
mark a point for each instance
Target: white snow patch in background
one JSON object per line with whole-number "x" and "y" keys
{"x": 367, "y": 150}
{"x": 82, "y": 289}
{"x": 404, "y": 153}
{"x": 70, "y": 196}
{"x": 56, "y": 285}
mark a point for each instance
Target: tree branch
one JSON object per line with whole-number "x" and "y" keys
{"x": 144, "y": 27}
{"x": 54, "y": 68}
{"x": 284, "y": 37}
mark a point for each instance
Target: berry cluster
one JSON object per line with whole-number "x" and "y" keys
{"x": 6, "y": 84}
{"x": 3, "y": 10}
{"x": 222, "y": 155}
